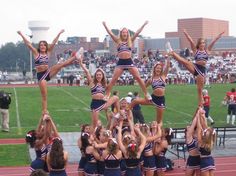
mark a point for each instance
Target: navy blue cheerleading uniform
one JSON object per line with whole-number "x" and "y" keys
{"x": 158, "y": 101}
{"x": 207, "y": 162}
{"x": 149, "y": 161}
{"x": 124, "y": 63}
{"x": 97, "y": 105}
{"x": 100, "y": 164}
{"x": 39, "y": 162}
{"x": 122, "y": 166}
{"x": 82, "y": 161}
{"x": 193, "y": 162}
{"x": 58, "y": 173}
{"x": 42, "y": 60}
{"x": 133, "y": 167}
{"x": 90, "y": 167}
{"x": 200, "y": 56}
{"x": 112, "y": 166}
{"x": 57, "y": 170}
{"x": 161, "y": 161}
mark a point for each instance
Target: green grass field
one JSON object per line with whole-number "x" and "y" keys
{"x": 14, "y": 155}
{"x": 69, "y": 106}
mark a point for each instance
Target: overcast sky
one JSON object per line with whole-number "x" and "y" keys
{"x": 84, "y": 17}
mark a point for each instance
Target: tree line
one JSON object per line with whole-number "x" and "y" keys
{"x": 14, "y": 57}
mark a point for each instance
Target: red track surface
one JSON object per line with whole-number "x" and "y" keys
{"x": 30, "y": 85}
{"x": 225, "y": 166}
{"x": 12, "y": 141}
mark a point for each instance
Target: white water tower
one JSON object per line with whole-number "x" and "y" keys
{"x": 39, "y": 30}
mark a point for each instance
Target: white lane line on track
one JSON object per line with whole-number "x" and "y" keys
{"x": 17, "y": 112}
{"x": 81, "y": 101}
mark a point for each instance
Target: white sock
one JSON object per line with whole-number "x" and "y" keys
{"x": 210, "y": 119}
{"x": 228, "y": 118}
{"x": 233, "y": 119}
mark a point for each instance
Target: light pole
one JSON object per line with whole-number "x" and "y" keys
{"x": 17, "y": 64}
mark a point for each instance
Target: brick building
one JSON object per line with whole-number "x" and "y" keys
{"x": 199, "y": 28}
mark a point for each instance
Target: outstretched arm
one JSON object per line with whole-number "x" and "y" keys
{"x": 167, "y": 66}
{"x": 214, "y": 41}
{"x": 199, "y": 130}
{"x": 143, "y": 141}
{"x": 113, "y": 36}
{"x": 189, "y": 38}
{"x": 86, "y": 71}
{"x": 202, "y": 119}
{"x": 28, "y": 44}
{"x": 54, "y": 128}
{"x": 51, "y": 46}
{"x": 148, "y": 83}
{"x": 156, "y": 136}
{"x": 191, "y": 129}
{"x": 139, "y": 31}
{"x": 119, "y": 140}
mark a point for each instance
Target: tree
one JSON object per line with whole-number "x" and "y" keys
{"x": 11, "y": 53}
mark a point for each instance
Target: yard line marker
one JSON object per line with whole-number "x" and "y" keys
{"x": 180, "y": 112}
{"x": 17, "y": 113}
{"x": 81, "y": 101}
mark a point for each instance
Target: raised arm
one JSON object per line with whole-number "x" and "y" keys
{"x": 156, "y": 136}
{"x": 189, "y": 38}
{"x": 194, "y": 121}
{"x": 54, "y": 128}
{"x": 209, "y": 48}
{"x": 28, "y": 44}
{"x": 101, "y": 145}
{"x": 203, "y": 119}
{"x": 131, "y": 122}
{"x": 167, "y": 66}
{"x": 113, "y": 36}
{"x": 119, "y": 140}
{"x": 148, "y": 82}
{"x": 136, "y": 34}
{"x": 143, "y": 141}
{"x": 86, "y": 71}
{"x": 51, "y": 46}
{"x": 199, "y": 130}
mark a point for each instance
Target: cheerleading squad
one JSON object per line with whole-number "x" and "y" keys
{"x": 122, "y": 147}
{"x": 127, "y": 149}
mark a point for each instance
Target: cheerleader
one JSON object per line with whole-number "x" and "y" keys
{"x": 160, "y": 149}
{"x": 126, "y": 116}
{"x": 198, "y": 69}
{"x": 38, "y": 140}
{"x": 84, "y": 130}
{"x": 149, "y": 164}
{"x": 98, "y": 86}
{"x": 44, "y": 73}
{"x": 112, "y": 156}
{"x": 193, "y": 161}
{"x": 100, "y": 143}
{"x": 57, "y": 159}
{"x": 132, "y": 152}
{"x": 91, "y": 155}
{"x": 206, "y": 138}
{"x": 158, "y": 85}
{"x": 124, "y": 48}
